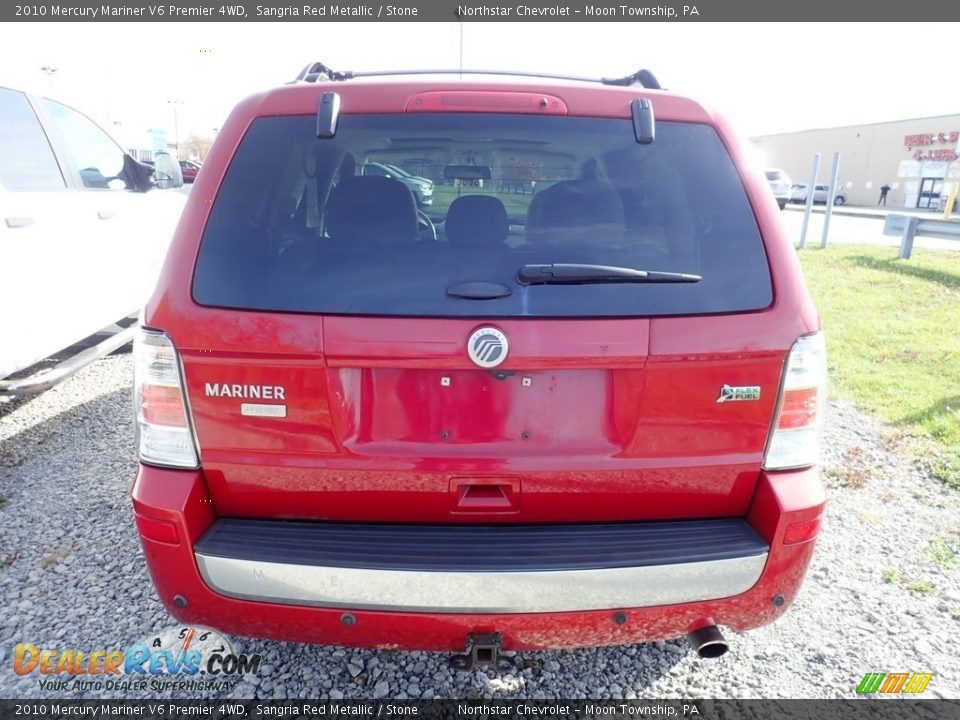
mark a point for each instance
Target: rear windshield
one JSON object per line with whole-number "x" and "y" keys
{"x": 435, "y": 214}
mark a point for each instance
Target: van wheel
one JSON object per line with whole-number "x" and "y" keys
{"x": 839, "y": 200}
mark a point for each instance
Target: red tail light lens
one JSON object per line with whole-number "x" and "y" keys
{"x": 161, "y": 405}
{"x": 164, "y": 435}
{"x": 798, "y": 408}
{"x": 795, "y": 439}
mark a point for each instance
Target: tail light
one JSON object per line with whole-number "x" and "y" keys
{"x": 795, "y": 439}
{"x": 164, "y": 435}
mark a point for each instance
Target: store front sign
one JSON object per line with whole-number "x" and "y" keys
{"x": 923, "y": 141}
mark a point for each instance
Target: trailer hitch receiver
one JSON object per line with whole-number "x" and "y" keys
{"x": 482, "y": 649}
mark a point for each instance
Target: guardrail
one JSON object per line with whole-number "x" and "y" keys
{"x": 908, "y": 227}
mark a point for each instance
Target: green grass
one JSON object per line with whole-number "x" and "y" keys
{"x": 893, "y": 341}
{"x": 920, "y": 586}
{"x": 944, "y": 552}
{"x": 890, "y": 575}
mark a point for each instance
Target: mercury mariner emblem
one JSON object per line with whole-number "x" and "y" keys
{"x": 487, "y": 347}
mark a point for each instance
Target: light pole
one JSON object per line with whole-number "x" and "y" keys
{"x": 176, "y": 124}
{"x": 50, "y": 71}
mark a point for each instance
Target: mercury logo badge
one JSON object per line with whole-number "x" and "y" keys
{"x": 487, "y": 347}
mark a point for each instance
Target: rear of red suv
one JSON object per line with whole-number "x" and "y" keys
{"x": 576, "y": 401}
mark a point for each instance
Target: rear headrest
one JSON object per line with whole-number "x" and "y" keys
{"x": 577, "y": 206}
{"x": 370, "y": 209}
{"x": 477, "y": 220}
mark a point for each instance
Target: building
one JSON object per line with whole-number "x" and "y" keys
{"x": 917, "y": 158}
{"x": 143, "y": 145}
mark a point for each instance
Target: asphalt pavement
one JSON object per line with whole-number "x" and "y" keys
{"x": 853, "y": 225}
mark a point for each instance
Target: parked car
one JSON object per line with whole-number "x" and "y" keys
{"x": 189, "y": 170}
{"x": 779, "y": 185}
{"x": 575, "y": 418}
{"x": 83, "y": 231}
{"x": 798, "y": 194}
{"x": 422, "y": 188}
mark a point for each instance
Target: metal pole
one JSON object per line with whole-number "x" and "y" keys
{"x": 461, "y": 49}
{"x": 951, "y": 198}
{"x": 176, "y": 124}
{"x": 906, "y": 239}
{"x": 811, "y": 188}
{"x": 834, "y": 172}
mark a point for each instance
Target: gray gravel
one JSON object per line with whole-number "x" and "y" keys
{"x": 883, "y": 593}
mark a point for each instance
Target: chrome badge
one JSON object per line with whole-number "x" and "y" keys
{"x": 487, "y": 347}
{"x": 729, "y": 393}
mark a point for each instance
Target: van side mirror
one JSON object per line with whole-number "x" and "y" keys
{"x": 166, "y": 171}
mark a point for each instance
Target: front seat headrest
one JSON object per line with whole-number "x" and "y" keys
{"x": 370, "y": 209}
{"x": 477, "y": 220}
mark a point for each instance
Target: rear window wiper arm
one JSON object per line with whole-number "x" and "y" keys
{"x": 582, "y": 273}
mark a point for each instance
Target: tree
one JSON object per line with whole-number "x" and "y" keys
{"x": 195, "y": 147}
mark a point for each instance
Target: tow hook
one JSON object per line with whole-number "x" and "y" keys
{"x": 482, "y": 649}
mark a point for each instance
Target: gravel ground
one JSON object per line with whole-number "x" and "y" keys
{"x": 882, "y": 594}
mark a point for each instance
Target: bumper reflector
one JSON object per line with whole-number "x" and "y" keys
{"x": 157, "y": 530}
{"x": 801, "y": 531}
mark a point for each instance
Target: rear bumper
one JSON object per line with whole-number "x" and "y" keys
{"x": 206, "y": 574}
{"x": 480, "y": 568}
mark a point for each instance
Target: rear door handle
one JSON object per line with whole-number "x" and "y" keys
{"x": 15, "y": 222}
{"x": 484, "y": 495}
{"x": 104, "y": 214}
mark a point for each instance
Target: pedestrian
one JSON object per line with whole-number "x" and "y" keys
{"x": 884, "y": 189}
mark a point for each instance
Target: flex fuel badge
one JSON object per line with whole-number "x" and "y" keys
{"x": 731, "y": 393}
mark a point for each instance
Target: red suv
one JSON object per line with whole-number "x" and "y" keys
{"x": 576, "y": 401}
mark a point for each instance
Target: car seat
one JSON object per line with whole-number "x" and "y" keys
{"x": 371, "y": 210}
{"x": 476, "y": 221}
{"x": 576, "y": 211}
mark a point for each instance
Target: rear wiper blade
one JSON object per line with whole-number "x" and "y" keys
{"x": 582, "y": 273}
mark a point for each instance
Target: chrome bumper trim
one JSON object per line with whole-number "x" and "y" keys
{"x": 483, "y": 592}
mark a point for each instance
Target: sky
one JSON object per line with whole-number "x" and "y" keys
{"x": 765, "y": 78}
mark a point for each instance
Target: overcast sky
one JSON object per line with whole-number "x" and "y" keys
{"x": 765, "y": 78}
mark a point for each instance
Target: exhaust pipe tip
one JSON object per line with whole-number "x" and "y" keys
{"x": 708, "y": 642}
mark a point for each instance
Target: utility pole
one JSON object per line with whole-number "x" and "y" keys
{"x": 50, "y": 72}
{"x": 461, "y": 48}
{"x": 176, "y": 124}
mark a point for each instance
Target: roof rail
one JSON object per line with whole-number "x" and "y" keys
{"x": 317, "y": 71}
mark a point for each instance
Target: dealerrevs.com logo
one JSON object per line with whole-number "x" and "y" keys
{"x": 199, "y": 659}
